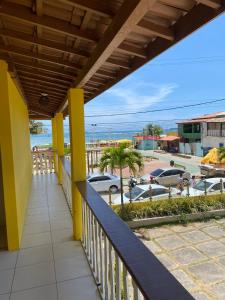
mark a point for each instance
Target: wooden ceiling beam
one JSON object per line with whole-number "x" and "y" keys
{"x": 41, "y": 57}
{"x": 32, "y": 93}
{"x": 42, "y": 73}
{"x": 129, "y": 15}
{"x": 40, "y": 90}
{"x": 41, "y": 76}
{"x": 98, "y": 7}
{"x": 215, "y": 4}
{"x": 46, "y": 82}
{"x": 118, "y": 63}
{"x": 105, "y": 73}
{"x": 39, "y": 111}
{"x": 42, "y": 86}
{"x": 24, "y": 14}
{"x": 32, "y": 40}
{"x": 155, "y": 29}
{"x": 133, "y": 50}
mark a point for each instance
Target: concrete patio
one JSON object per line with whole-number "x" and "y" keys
{"x": 195, "y": 255}
{"x": 50, "y": 265}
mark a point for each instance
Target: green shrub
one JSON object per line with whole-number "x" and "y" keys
{"x": 175, "y": 206}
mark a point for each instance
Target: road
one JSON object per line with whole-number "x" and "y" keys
{"x": 191, "y": 164}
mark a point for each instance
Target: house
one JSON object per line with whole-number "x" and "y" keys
{"x": 146, "y": 142}
{"x": 198, "y": 135}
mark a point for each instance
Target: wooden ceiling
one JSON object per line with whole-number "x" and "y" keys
{"x": 52, "y": 45}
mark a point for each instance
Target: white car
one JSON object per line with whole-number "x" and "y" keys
{"x": 169, "y": 176}
{"x": 212, "y": 185}
{"x": 142, "y": 193}
{"x": 104, "y": 182}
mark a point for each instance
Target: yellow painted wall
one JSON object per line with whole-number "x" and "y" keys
{"x": 16, "y": 157}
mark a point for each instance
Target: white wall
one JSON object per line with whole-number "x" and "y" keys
{"x": 211, "y": 141}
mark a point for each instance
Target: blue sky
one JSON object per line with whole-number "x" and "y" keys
{"x": 192, "y": 71}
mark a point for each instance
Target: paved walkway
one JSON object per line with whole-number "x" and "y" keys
{"x": 195, "y": 254}
{"x": 50, "y": 266}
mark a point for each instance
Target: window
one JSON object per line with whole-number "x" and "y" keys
{"x": 157, "y": 172}
{"x": 216, "y": 187}
{"x": 167, "y": 173}
{"x": 99, "y": 178}
{"x": 161, "y": 191}
{"x": 134, "y": 192}
{"x": 187, "y": 128}
{"x": 196, "y": 128}
{"x": 176, "y": 172}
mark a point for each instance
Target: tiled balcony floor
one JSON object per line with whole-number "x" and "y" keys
{"x": 50, "y": 265}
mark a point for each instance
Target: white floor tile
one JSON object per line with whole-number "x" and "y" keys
{"x": 60, "y": 236}
{"x": 67, "y": 250}
{"x": 36, "y": 219}
{"x": 48, "y": 292}
{"x": 78, "y": 289}
{"x": 6, "y": 278}
{"x": 33, "y": 276}
{"x": 70, "y": 268}
{"x": 63, "y": 224}
{"x": 7, "y": 260}
{"x": 38, "y": 227}
{"x": 38, "y": 239}
{"x": 35, "y": 255}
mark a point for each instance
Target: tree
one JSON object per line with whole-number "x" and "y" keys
{"x": 120, "y": 158}
{"x": 154, "y": 130}
{"x": 36, "y": 127}
{"x": 221, "y": 152}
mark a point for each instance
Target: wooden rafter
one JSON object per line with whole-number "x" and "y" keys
{"x": 24, "y": 14}
{"x": 215, "y": 4}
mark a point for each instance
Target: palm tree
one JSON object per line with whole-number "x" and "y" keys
{"x": 120, "y": 158}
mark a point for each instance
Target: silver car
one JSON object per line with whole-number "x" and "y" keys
{"x": 143, "y": 193}
{"x": 104, "y": 182}
{"x": 169, "y": 176}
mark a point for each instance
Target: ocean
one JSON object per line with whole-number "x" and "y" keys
{"x": 46, "y": 138}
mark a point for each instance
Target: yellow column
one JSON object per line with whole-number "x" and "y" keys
{"x": 60, "y": 143}
{"x": 77, "y": 146}
{"x": 7, "y": 161}
{"x": 54, "y": 143}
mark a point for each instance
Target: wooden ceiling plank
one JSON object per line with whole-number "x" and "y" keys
{"x": 42, "y": 86}
{"x": 98, "y": 7}
{"x": 27, "y": 77}
{"x": 39, "y": 91}
{"x": 38, "y": 96}
{"x": 24, "y": 14}
{"x": 161, "y": 31}
{"x": 40, "y": 111}
{"x": 133, "y": 50}
{"x": 118, "y": 63}
{"x": 215, "y": 4}
{"x": 41, "y": 57}
{"x": 41, "y": 76}
{"x": 105, "y": 73}
{"x": 24, "y": 37}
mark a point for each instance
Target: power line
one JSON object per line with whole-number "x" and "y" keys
{"x": 157, "y": 110}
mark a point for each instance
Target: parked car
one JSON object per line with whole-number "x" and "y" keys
{"x": 169, "y": 176}
{"x": 104, "y": 182}
{"x": 142, "y": 193}
{"x": 212, "y": 185}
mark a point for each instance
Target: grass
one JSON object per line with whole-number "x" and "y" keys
{"x": 175, "y": 206}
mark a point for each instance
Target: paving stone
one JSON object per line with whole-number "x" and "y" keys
{"x": 184, "y": 279}
{"x": 171, "y": 242}
{"x": 152, "y": 233}
{"x": 152, "y": 246}
{"x": 196, "y": 236}
{"x": 201, "y": 296}
{"x": 215, "y": 231}
{"x": 219, "y": 291}
{"x": 182, "y": 228}
{"x": 207, "y": 272}
{"x": 212, "y": 248}
{"x": 167, "y": 261}
{"x": 222, "y": 261}
{"x": 204, "y": 224}
{"x": 187, "y": 255}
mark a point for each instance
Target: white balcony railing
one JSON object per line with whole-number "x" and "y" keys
{"x": 43, "y": 162}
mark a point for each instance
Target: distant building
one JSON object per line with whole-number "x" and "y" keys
{"x": 142, "y": 142}
{"x": 198, "y": 135}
